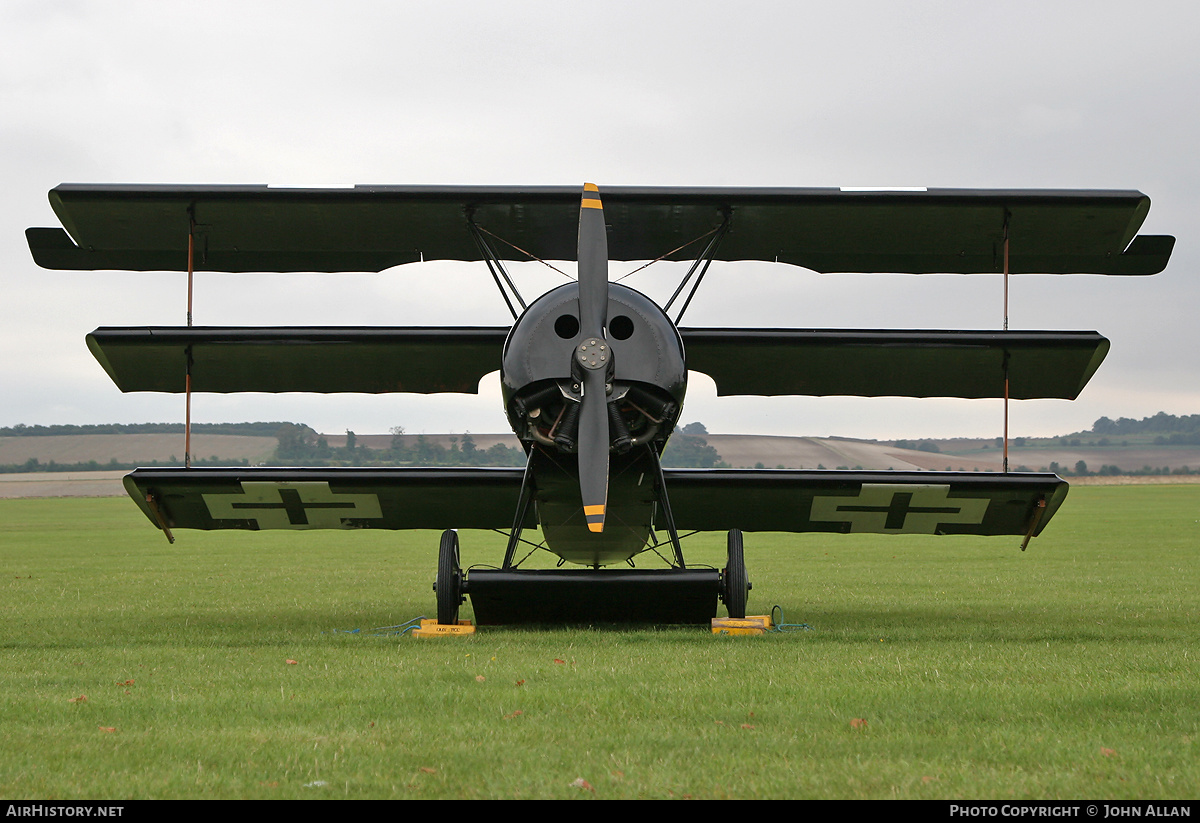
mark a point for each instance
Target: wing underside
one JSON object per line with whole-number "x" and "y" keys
{"x": 706, "y": 500}
{"x": 854, "y": 502}
{"x": 371, "y": 228}
{"x": 306, "y": 498}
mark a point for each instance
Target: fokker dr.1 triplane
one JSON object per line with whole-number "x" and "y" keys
{"x": 594, "y": 372}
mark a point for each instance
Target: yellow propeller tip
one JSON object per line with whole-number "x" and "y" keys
{"x": 595, "y": 517}
{"x": 591, "y": 197}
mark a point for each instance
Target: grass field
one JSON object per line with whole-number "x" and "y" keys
{"x": 934, "y": 668}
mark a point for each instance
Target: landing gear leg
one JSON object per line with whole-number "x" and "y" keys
{"x": 523, "y": 501}
{"x": 661, "y": 485}
{"x": 735, "y": 587}
{"x": 449, "y": 580}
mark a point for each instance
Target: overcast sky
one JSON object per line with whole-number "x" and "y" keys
{"x": 948, "y": 94}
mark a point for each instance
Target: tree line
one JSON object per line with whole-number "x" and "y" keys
{"x": 300, "y": 445}
{"x": 1162, "y": 423}
{"x": 35, "y": 465}
{"x": 258, "y": 429}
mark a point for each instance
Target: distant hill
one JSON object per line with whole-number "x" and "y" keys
{"x": 1160, "y": 444}
{"x": 112, "y": 446}
{"x": 1157, "y": 445}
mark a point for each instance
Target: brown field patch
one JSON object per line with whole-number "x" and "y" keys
{"x": 132, "y": 448}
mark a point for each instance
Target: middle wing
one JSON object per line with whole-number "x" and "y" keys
{"x": 881, "y": 363}
{"x": 308, "y": 359}
{"x": 742, "y": 361}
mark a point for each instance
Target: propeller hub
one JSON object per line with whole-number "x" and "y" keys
{"x": 593, "y": 353}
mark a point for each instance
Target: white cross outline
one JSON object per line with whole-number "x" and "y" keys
{"x": 263, "y": 502}
{"x": 880, "y": 496}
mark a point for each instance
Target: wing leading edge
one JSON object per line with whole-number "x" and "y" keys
{"x": 371, "y": 228}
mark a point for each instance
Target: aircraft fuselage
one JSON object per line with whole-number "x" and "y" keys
{"x": 646, "y": 379}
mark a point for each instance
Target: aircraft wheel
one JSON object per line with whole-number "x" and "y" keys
{"x": 737, "y": 586}
{"x": 449, "y": 580}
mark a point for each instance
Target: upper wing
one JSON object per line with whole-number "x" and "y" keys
{"x": 866, "y": 502}
{"x": 303, "y": 498}
{"x": 370, "y": 228}
{"x": 867, "y": 363}
{"x": 346, "y": 359}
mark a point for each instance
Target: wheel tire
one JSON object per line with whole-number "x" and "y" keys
{"x": 737, "y": 587}
{"x": 449, "y": 580}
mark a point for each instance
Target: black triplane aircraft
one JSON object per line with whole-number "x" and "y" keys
{"x": 593, "y": 372}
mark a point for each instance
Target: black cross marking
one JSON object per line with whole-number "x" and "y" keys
{"x": 899, "y": 508}
{"x": 294, "y": 506}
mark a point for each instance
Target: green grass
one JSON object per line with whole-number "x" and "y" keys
{"x": 1067, "y": 671}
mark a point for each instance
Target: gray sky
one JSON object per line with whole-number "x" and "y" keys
{"x": 967, "y": 95}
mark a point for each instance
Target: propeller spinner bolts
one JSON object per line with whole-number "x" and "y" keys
{"x": 592, "y": 353}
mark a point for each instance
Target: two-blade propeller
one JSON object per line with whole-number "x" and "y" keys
{"x": 594, "y": 358}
